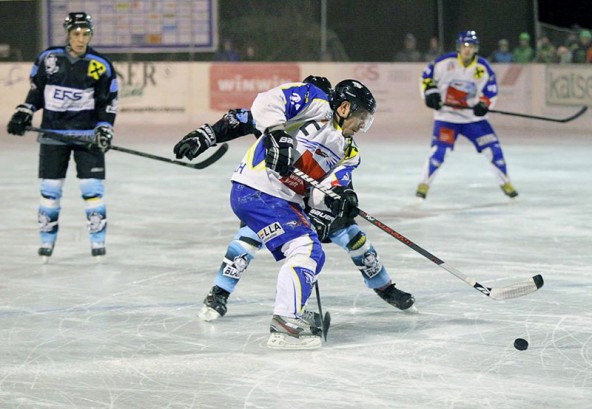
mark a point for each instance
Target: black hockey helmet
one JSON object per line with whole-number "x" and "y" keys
{"x": 78, "y": 20}
{"x": 320, "y": 82}
{"x": 358, "y": 95}
{"x": 363, "y": 103}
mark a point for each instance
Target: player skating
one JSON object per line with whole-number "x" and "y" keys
{"x": 77, "y": 89}
{"x": 343, "y": 231}
{"x": 463, "y": 79}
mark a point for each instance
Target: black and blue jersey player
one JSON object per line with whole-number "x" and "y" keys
{"x": 77, "y": 89}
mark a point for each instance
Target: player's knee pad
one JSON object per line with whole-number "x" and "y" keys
{"x": 304, "y": 260}
{"x": 51, "y": 192}
{"x": 49, "y": 207}
{"x": 92, "y": 191}
{"x": 306, "y": 252}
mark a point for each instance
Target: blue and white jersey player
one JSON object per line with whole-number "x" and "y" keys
{"x": 343, "y": 231}
{"x": 465, "y": 80}
{"x": 270, "y": 200}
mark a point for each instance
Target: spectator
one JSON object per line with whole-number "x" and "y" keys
{"x": 546, "y": 52}
{"x": 250, "y": 54}
{"x": 564, "y": 55}
{"x": 581, "y": 50}
{"x": 409, "y": 53}
{"x": 227, "y": 53}
{"x": 434, "y": 50}
{"x": 524, "y": 52}
{"x": 502, "y": 54}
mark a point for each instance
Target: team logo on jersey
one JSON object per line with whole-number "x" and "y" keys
{"x": 296, "y": 100}
{"x": 479, "y": 72}
{"x": 351, "y": 150}
{"x": 51, "y": 64}
{"x": 96, "y": 69}
{"x": 270, "y": 232}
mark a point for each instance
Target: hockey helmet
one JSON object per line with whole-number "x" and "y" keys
{"x": 467, "y": 37}
{"x": 78, "y": 20}
{"x": 320, "y": 82}
{"x": 359, "y": 96}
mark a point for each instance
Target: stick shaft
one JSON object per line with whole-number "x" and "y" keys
{"x": 541, "y": 118}
{"x": 513, "y": 291}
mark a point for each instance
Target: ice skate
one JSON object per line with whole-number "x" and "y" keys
{"x": 98, "y": 251}
{"x": 395, "y": 297}
{"x": 45, "y": 252}
{"x": 214, "y": 304}
{"x": 293, "y": 334}
{"x": 422, "y": 192}
{"x": 509, "y": 190}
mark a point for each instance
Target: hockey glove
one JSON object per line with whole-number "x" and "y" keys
{"x": 321, "y": 221}
{"x": 433, "y": 99}
{"x": 280, "y": 152}
{"x": 346, "y": 206}
{"x": 103, "y": 137}
{"x": 21, "y": 120}
{"x": 480, "y": 109}
{"x": 195, "y": 142}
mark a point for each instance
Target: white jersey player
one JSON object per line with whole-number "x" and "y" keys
{"x": 461, "y": 87}
{"x": 270, "y": 200}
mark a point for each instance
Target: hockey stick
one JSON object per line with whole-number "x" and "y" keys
{"x": 325, "y": 319}
{"x": 199, "y": 165}
{"x": 501, "y": 293}
{"x": 542, "y": 118}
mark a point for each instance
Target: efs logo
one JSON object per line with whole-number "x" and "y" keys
{"x": 67, "y": 94}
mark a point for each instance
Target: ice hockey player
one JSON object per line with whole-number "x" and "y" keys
{"x": 77, "y": 89}
{"x": 343, "y": 231}
{"x": 464, "y": 79}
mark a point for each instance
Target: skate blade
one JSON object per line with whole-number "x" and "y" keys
{"x": 208, "y": 314}
{"x": 44, "y": 259}
{"x": 285, "y": 342}
{"x": 411, "y": 310}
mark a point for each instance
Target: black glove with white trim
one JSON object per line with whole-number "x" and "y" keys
{"x": 432, "y": 98}
{"x": 280, "y": 152}
{"x": 21, "y": 120}
{"x": 347, "y": 206}
{"x": 195, "y": 142}
{"x": 103, "y": 138}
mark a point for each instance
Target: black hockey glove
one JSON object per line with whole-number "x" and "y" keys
{"x": 321, "y": 221}
{"x": 103, "y": 137}
{"x": 195, "y": 142}
{"x": 21, "y": 120}
{"x": 480, "y": 109}
{"x": 347, "y": 206}
{"x": 280, "y": 152}
{"x": 432, "y": 98}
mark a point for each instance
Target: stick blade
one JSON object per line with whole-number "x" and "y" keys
{"x": 212, "y": 159}
{"x": 518, "y": 290}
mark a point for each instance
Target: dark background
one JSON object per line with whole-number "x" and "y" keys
{"x": 282, "y": 30}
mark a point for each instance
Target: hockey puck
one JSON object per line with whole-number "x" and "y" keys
{"x": 520, "y": 344}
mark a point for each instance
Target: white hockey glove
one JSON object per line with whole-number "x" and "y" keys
{"x": 195, "y": 142}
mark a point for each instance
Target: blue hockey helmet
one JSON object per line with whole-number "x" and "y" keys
{"x": 78, "y": 20}
{"x": 467, "y": 37}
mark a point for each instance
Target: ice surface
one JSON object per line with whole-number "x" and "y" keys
{"x": 124, "y": 333}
